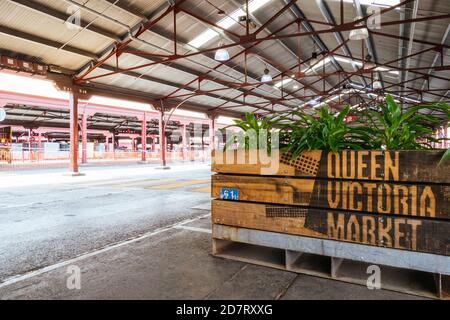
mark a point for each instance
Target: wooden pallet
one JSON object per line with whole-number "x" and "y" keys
{"x": 421, "y": 274}
{"x": 312, "y": 214}
{"x": 393, "y": 199}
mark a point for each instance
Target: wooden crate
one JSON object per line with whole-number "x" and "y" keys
{"x": 409, "y": 272}
{"x": 396, "y": 166}
{"x": 421, "y": 235}
{"x": 390, "y": 199}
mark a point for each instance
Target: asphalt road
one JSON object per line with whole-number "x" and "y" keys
{"x": 46, "y": 217}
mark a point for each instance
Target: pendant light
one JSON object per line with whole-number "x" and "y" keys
{"x": 361, "y": 33}
{"x": 377, "y": 85}
{"x": 314, "y": 59}
{"x": 369, "y": 65}
{"x": 222, "y": 54}
{"x": 266, "y": 76}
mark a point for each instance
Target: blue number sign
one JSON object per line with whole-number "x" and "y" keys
{"x": 229, "y": 194}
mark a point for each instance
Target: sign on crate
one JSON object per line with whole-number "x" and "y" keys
{"x": 394, "y": 199}
{"x": 229, "y": 194}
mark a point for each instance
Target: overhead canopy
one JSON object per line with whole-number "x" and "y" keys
{"x": 165, "y": 50}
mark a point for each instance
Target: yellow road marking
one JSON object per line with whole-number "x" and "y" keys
{"x": 143, "y": 184}
{"x": 204, "y": 190}
{"x": 179, "y": 185}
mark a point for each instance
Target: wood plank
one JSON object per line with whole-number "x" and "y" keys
{"x": 422, "y": 235}
{"x": 395, "y": 166}
{"x": 398, "y": 266}
{"x": 432, "y": 201}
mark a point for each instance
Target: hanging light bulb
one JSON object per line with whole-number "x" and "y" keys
{"x": 222, "y": 54}
{"x": 361, "y": 33}
{"x": 314, "y": 58}
{"x": 266, "y": 76}
{"x": 368, "y": 63}
{"x": 377, "y": 85}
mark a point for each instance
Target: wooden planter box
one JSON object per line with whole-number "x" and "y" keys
{"x": 398, "y": 200}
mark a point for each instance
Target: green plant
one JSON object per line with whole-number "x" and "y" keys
{"x": 445, "y": 157}
{"x": 328, "y": 132}
{"x": 389, "y": 128}
{"x": 256, "y": 127}
{"x": 393, "y": 129}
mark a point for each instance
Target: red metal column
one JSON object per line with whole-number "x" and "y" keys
{"x": 40, "y": 151}
{"x": 212, "y": 131}
{"x": 106, "y": 143}
{"x": 183, "y": 140}
{"x": 73, "y": 105}
{"x": 153, "y": 143}
{"x": 144, "y": 139}
{"x": 30, "y": 135}
{"x": 446, "y": 135}
{"x": 162, "y": 139}
{"x": 113, "y": 142}
{"x": 84, "y": 139}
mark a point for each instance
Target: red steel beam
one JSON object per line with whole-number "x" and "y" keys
{"x": 144, "y": 139}
{"x": 73, "y": 104}
{"x": 148, "y": 25}
{"x": 84, "y": 138}
{"x": 293, "y": 68}
{"x": 274, "y": 17}
{"x": 347, "y": 27}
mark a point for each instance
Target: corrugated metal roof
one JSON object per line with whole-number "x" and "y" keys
{"x": 73, "y": 49}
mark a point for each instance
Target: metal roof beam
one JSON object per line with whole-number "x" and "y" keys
{"x": 169, "y": 37}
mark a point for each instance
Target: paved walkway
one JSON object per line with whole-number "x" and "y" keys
{"x": 133, "y": 233}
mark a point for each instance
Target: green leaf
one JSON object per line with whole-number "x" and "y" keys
{"x": 445, "y": 158}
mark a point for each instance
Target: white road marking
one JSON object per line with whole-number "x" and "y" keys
{"x": 202, "y": 230}
{"x": 28, "y": 275}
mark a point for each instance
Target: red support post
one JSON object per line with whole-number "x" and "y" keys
{"x": 183, "y": 140}
{"x": 212, "y": 131}
{"x": 113, "y": 142}
{"x": 30, "y": 135}
{"x": 84, "y": 139}
{"x": 144, "y": 139}
{"x": 162, "y": 139}
{"x": 73, "y": 104}
{"x": 40, "y": 151}
{"x": 106, "y": 143}
{"x": 446, "y": 135}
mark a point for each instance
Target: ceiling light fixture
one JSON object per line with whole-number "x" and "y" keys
{"x": 226, "y": 23}
{"x": 222, "y": 54}
{"x": 314, "y": 58}
{"x": 266, "y": 76}
{"x": 377, "y": 85}
{"x": 368, "y": 63}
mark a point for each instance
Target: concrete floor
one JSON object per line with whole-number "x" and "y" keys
{"x": 135, "y": 233}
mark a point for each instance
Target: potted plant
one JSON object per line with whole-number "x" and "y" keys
{"x": 375, "y": 181}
